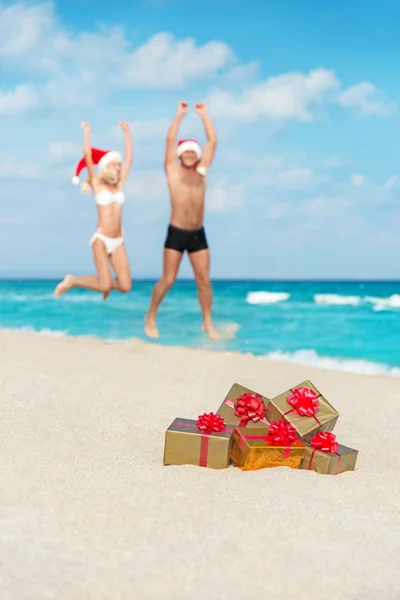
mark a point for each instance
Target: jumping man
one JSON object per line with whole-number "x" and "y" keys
{"x": 186, "y": 167}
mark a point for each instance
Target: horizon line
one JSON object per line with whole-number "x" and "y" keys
{"x": 227, "y": 279}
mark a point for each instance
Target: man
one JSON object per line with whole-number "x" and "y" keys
{"x": 186, "y": 167}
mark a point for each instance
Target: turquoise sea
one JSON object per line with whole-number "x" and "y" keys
{"x": 354, "y": 326}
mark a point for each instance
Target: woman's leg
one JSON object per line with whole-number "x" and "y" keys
{"x": 120, "y": 264}
{"x": 101, "y": 283}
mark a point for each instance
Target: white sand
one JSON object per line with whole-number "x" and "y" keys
{"x": 88, "y": 511}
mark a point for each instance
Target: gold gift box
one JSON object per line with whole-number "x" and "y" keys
{"x": 227, "y": 412}
{"x": 329, "y": 463}
{"x": 185, "y": 444}
{"x": 253, "y": 454}
{"x": 306, "y": 427}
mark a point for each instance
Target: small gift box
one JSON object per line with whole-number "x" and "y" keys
{"x": 324, "y": 455}
{"x": 257, "y": 448}
{"x": 206, "y": 442}
{"x": 305, "y": 408}
{"x": 244, "y": 408}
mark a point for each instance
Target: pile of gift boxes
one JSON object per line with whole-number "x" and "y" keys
{"x": 253, "y": 432}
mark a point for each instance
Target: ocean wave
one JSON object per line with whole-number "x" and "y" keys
{"x": 309, "y": 358}
{"x": 337, "y": 299}
{"x": 45, "y": 331}
{"x": 266, "y": 297}
{"x": 75, "y": 298}
{"x": 390, "y": 303}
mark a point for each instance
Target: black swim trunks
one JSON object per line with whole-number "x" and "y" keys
{"x": 191, "y": 240}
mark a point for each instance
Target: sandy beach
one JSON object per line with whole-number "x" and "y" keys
{"x": 89, "y": 512}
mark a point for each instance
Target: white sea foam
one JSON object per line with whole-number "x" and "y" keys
{"x": 337, "y": 299}
{"x": 228, "y": 331}
{"x": 45, "y": 331}
{"x": 74, "y": 298}
{"x": 266, "y": 297}
{"x": 390, "y": 303}
{"x": 310, "y": 358}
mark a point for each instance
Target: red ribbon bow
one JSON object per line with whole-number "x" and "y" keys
{"x": 281, "y": 433}
{"x": 249, "y": 407}
{"x": 208, "y": 423}
{"x": 304, "y": 401}
{"x": 325, "y": 441}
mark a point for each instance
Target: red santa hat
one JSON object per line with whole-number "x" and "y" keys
{"x": 187, "y": 145}
{"x": 101, "y": 158}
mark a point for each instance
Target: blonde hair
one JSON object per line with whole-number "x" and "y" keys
{"x": 85, "y": 187}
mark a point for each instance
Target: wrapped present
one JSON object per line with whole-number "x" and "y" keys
{"x": 256, "y": 448}
{"x": 244, "y": 408}
{"x": 324, "y": 455}
{"x": 206, "y": 442}
{"x": 305, "y": 408}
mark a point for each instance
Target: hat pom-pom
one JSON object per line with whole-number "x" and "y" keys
{"x": 75, "y": 180}
{"x": 201, "y": 170}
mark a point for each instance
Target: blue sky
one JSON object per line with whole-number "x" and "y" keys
{"x": 305, "y": 98}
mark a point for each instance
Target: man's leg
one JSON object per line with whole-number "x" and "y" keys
{"x": 172, "y": 261}
{"x": 201, "y": 266}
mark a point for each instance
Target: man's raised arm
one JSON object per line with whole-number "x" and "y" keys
{"x": 211, "y": 144}
{"x": 170, "y": 151}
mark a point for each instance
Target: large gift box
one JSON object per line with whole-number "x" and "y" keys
{"x": 244, "y": 408}
{"x": 324, "y": 455}
{"x": 258, "y": 448}
{"x": 206, "y": 442}
{"x": 305, "y": 408}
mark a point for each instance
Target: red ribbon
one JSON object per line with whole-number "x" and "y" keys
{"x": 325, "y": 442}
{"x": 206, "y": 424}
{"x": 210, "y": 422}
{"x": 280, "y": 433}
{"x": 248, "y": 407}
{"x": 305, "y": 403}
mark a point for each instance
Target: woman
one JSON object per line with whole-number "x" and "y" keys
{"x": 108, "y": 241}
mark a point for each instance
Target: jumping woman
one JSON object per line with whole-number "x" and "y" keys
{"x": 108, "y": 241}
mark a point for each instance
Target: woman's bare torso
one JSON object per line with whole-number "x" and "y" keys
{"x": 187, "y": 191}
{"x": 109, "y": 221}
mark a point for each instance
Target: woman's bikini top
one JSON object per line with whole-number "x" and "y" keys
{"x": 106, "y": 197}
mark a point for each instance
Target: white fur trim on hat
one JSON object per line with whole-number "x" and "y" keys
{"x": 187, "y": 146}
{"x": 109, "y": 158}
{"x": 75, "y": 180}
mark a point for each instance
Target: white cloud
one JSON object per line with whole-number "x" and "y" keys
{"x": 164, "y": 62}
{"x": 293, "y": 179}
{"x": 279, "y": 210}
{"x": 242, "y": 73}
{"x": 392, "y": 182}
{"x": 268, "y": 161}
{"x": 81, "y": 68}
{"x": 147, "y": 186}
{"x": 284, "y": 97}
{"x": 365, "y": 99}
{"x": 61, "y": 151}
{"x": 224, "y": 196}
{"x": 15, "y": 170}
{"x": 144, "y": 131}
{"x": 332, "y": 162}
{"x": 18, "y": 100}
{"x": 22, "y": 27}
{"x": 325, "y": 206}
{"x": 357, "y": 179}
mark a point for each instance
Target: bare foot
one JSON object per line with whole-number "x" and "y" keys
{"x": 211, "y": 331}
{"x": 106, "y": 294}
{"x": 150, "y": 328}
{"x": 66, "y": 284}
